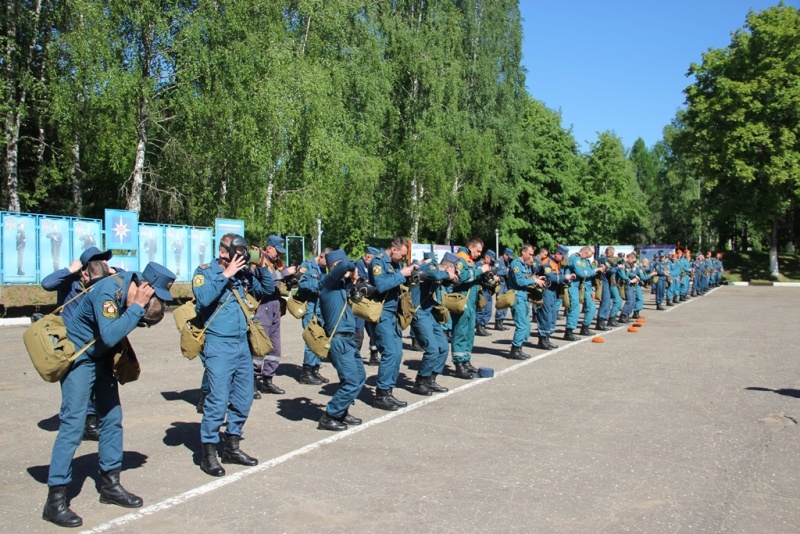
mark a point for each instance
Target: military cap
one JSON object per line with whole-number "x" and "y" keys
{"x": 277, "y": 242}
{"x": 561, "y": 249}
{"x": 95, "y": 254}
{"x": 160, "y": 278}
{"x": 374, "y": 251}
{"x": 491, "y": 254}
{"x": 509, "y": 252}
{"x": 428, "y": 256}
{"x": 449, "y": 256}
{"x": 335, "y": 255}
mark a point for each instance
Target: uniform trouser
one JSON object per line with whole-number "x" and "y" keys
{"x": 309, "y": 358}
{"x": 270, "y": 318}
{"x": 359, "y": 335}
{"x": 430, "y": 336}
{"x": 684, "y": 285}
{"x": 389, "y": 340}
{"x": 229, "y": 370}
{"x": 484, "y": 315}
{"x": 574, "y": 310}
{"x": 545, "y": 316}
{"x": 616, "y": 300}
{"x": 370, "y": 329}
{"x": 85, "y": 376}
{"x": 675, "y": 288}
{"x": 589, "y": 306}
{"x": 464, "y": 333}
{"x": 638, "y": 297}
{"x": 345, "y": 358}
{"x": 604, "y": 309}
{"x": 521, "y": 312}
{"x": 500, "y": 315}
{"x": 661, "y": 286}
{"x": 630, "y": 300}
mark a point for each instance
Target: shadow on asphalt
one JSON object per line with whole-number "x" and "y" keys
{"x": 190, "y": 396}
{"x": 84, "y": 467}
{"x": 783, "y": 391}
{"x": 51, "y": 424}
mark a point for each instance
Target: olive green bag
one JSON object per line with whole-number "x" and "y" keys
{"x": 506, "y": 300}
{"x": 315, "y": 337}
{"x": 456, "y": 302}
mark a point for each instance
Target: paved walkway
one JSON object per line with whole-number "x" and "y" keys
{"x": 689, "y": 425}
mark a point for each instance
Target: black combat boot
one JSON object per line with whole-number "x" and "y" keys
{"x": 326, "y": 422}
{"x": 433, "y": 386}
{"x": 623, "y": 319}
{"x": 256, "y": 393}
{"x": 420, "y": 386}
{"x": 209, "y": 463}
{"x": 374, "y": 357}
{"x": 480, "y": 330}
{"x": 91, "y": 432}
{"x": 56, "y": 509}
{"x": 398, "y": 402}
{"x": 264, "y": 385}
{"x": 601, "y": 325}
{"x": 232, "y": 454}
{"x": 544, "y": 343}
{"x": 201, "y": 402}
{"x": 462, "y": 371}
{"x": 516, "y": 354}
{"x": 585, "y": 331}
{"x": 668, "y": 303}
{"x": 569, "y": 336}
{"x": 499, "y": 324}
{"x": 683, "y": 298}
{"x": 350, "y": 419}
{"x": 415, "y": 345}
{"x": 383, "y": 400}
{"x": 659, "y": 307}
{"x": 472, "y": 369}
{"x": 307, "y": 376}
{"x": 612, "y": 322}
{"x": 319, "y": 376}
{"x": 636, "y": 314}
{"x": 111, "y": 492}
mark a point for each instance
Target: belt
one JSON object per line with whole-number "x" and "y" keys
{"x": 343, "y": 334}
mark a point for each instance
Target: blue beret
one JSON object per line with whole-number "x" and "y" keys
{"x": 428, "y": 256}
{"x": 561, "y": 249}
{"x": 335, "y": 255}
{"x": 491, "y": 254}
{"x": 374, "y": 251}
{"x": 160, "y": 278}
{"x": 93, "y": 254}
{"x": 449, "y": 256}
{"x": 509, "y": 252}
{"x": 277, "y": 242}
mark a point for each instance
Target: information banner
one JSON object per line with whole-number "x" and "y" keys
{"x": 227, "y": 226}
{"x": 151, "y": 245}
{"x": 177, "y": 257}
{"x": 54, "y": 245}
{"x": 201, "y": 251}
{"x": 19, "y": 249}
{"x": 122, "y": 230}
{"x": 85, "y": 234}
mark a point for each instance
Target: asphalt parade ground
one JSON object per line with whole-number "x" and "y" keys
{"x": 688, "y": 425}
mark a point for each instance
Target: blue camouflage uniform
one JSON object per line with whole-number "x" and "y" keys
{"x": 385, "y": 275}
{"x": 686, "y": 268}
{"x": 484, "y": 315}
{"x": 308, "y": 291}
{"x": 520, "y": 279}
{"x": 551, "y": 299}
{"x": 582, "y": 268}
{"x": 625, "y": 274}
{"x": 617, "y": 288}
{"x": 604, "y": 309}
{"x": 674, "y": 289}
{"x": 105, "y": 315}
{"x": 226, "y": 353}
{"x": 343, "y": 351}
{"x": 659, "y": 269}
{"x": 469, "y": 279}
{"x": 427, "y": 330}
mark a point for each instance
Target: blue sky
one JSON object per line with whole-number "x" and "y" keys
{"x": 621, "y": 65}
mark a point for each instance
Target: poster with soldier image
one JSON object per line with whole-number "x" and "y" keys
{"x": 151, "y": 245}
{"x": 177, "y": 252}
{"x": 54, "y": 245}
{"x": 19, "y": 248}
{"x": 85, "y": 234}
{"x": 200, "y": 244}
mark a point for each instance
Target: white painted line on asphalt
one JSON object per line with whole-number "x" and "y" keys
{"x": 235, "y": 477}
{"x": 692, "y": 299}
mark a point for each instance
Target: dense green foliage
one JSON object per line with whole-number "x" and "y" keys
{"x": 404, "y": 117}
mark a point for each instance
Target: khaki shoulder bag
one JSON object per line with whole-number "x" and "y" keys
{"x": 315, "y": 337}
{"x": 260, "y": 344}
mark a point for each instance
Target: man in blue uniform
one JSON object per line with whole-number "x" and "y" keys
{"x": 362, "y": 268}
{"x": 555, "y": 281}
{"x": 427, "y": 330}
{"x": 340, "y": 326}
{"x": 483, "y": 315}
{"x": 502, "y": 271}
{"x": 70, "y": 282}
{"x": 660, "y": 273}
{"x": 469, "y": 280}
{"x": 308, "y": 291}
{"x": 581, "y": 266}
{"x": 683, "y": 290}
{"x": 521, "y": 279}
{"x": 626, "y": 279}
{"x": 387, "y": 276}
{"x": 108, "y": 313}
{"x": 269, "y": 315}
{"x": 226, "y": 353}
{"x": 604, "y": 309}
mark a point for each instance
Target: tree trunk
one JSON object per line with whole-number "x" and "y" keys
{"x": 77, "y": 194}
{"x": 451, "y": 214}
{"x": 415, "y": 203}
{"x": 773, "y": 250}
{"x": 268, "y": 198}
{"x": 137, "y": 178}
